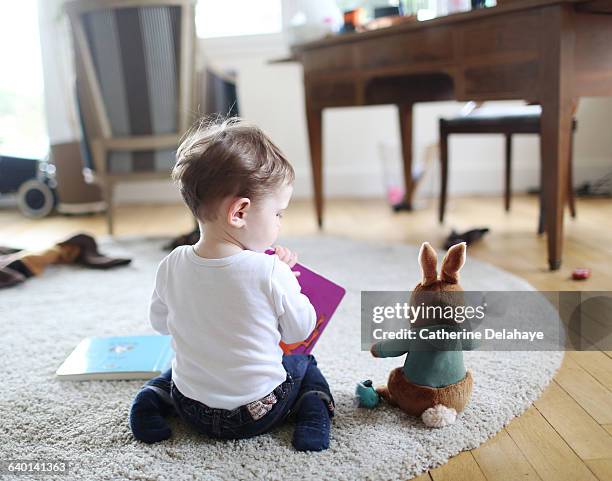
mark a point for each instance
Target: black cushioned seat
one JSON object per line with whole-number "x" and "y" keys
{"x": 507, "y": 121}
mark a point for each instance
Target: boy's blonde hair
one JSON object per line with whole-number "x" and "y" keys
{"x": 231, "y": 158}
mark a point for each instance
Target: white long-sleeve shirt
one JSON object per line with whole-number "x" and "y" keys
{"x": 226, "y": 318}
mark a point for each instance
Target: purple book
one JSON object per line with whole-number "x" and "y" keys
{"x": 324, "y": 295}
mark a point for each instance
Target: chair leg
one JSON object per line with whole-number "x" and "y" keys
{"x": 541, "y": 224}
{"x": 508, "y": 183}
{"x": 444, "y": 173}
{"x": 571, "y": 200}
{"x": 109, "y": 192}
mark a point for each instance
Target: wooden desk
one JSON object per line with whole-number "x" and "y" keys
{"x": 545, "y": 51}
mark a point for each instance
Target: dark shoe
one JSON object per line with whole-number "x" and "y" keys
{"x": 8, "y": 250}
{"x": 9, "y": 277}
{"x": 89, "y": 255}
{"x": 14, "y": 263}
{"x": 469, "y": 237}
{"x": 19, "y": 266}
{"x": 186, "y": 239}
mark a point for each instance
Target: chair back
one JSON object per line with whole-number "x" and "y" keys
{"x": 135, "y": 76}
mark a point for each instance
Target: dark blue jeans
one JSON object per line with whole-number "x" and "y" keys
{"x": 303, "y": 376}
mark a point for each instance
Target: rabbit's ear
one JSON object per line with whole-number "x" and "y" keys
{"x": 428, "y": 259}
{"x": 452, "y": 263}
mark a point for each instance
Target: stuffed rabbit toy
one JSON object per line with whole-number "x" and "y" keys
{"x": 433, "y": 383}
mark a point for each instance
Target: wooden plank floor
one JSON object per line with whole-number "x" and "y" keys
{"x": 567, "y": 433}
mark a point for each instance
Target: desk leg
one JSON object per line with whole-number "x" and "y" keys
{"x": 405, "y": 118}
{"x": 314, "y": 118}
{"x": 556, "y": 124}
{"x": 555, "y": 131}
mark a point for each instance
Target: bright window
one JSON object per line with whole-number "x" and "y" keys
{"x": 22, "y": 121}
{"x": 229, "y": 18}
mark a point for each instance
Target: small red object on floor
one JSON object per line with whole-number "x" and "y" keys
{"x": 581, "y": 274}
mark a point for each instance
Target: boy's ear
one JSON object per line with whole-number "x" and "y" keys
{"x": 428, "y": 260}
{"x": 237, "y": 212}
{"x": 452, "y": 263}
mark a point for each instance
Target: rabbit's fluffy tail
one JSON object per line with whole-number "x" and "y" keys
{"x": 439, "y": 416}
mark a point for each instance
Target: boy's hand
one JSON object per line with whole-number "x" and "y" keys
{"x": 288, "y": 257}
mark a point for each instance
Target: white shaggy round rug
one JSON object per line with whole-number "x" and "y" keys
{"x": 85, "y": 423}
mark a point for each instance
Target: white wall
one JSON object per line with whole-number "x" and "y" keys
{"x": 272, "y": 96}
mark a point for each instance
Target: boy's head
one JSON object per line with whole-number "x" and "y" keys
{"x": 232, "y": 177}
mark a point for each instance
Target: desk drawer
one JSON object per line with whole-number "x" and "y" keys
{"x": 503, "y": 81}
{"x": 505, "y": 35}
{"x": 329, "y": 59}
{"x": 419, "y": 47}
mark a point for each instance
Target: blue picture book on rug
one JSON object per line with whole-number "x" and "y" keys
{"x": 112, "y": 358}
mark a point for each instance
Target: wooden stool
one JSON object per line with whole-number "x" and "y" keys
{"x": 508, "y": 121}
